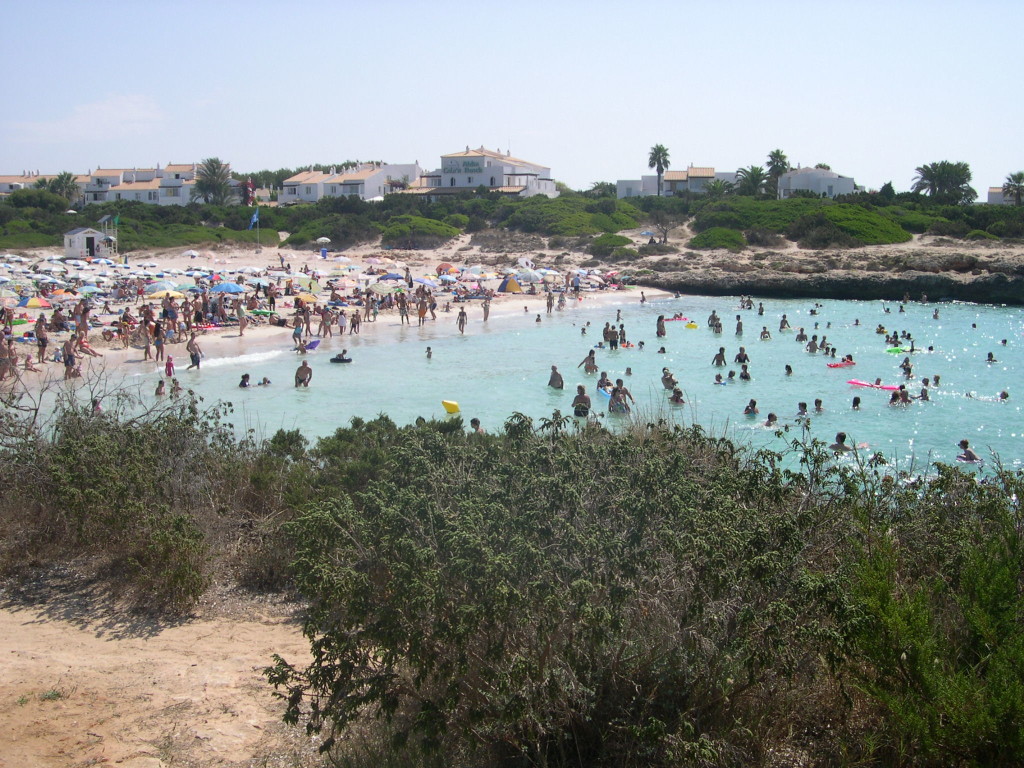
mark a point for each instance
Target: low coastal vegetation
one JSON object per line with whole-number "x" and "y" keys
{"x": 550, "y": 595}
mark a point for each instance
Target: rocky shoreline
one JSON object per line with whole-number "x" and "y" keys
{"x": 940, "y": 269}
{"x": 997, "y": 288}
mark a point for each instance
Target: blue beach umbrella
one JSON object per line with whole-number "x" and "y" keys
{"x": 227, "y": 288}
{"x": 426, "y": 282}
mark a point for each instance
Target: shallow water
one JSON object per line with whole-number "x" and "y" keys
{"x": 502, "y": 367}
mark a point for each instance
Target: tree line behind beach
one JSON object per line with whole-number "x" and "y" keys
{"x": 586, "y": 221}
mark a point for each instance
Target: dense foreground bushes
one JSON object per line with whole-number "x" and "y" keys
{"x": 563, "y": 597}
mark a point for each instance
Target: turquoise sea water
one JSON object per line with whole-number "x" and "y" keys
{"x": 502, "y": 366}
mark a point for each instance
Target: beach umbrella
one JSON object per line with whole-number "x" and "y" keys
{"x": 323, "y": 240}
{"x": 526, "y": 263}
{"x": 446, "y": 278}
{"x": 52, "y": 257}
{"x": 174, "y": 271}
{"x": 76, "y": 262}
{"x": 88, "y": 289}
{"x": 104, "y": 262}
{"x": 343, "y": 259}
{"x": 4, "y": 279}
{"x": 227, "y": 288}
{"x": 428, "y": 283}
{"x": 161, "y": 285}
{"x": 382, "y": 289}
{"x": 166, "y": 293}
{"x": 147, "y": 263}
{"x": 191, "y": 254}
{"x": 392, "y": 276}
{"x": 248, "y": 270}
{"x": 52, "y": 268}
{"x": 257, "y": 281}
{"x": 7, "y": 293}
{"x": 34, "y": 302}
{"x": 197, "y": 273}
{"x": 371, "y": 260}
{"x": 529, "y": 276}
{"x": 647, "y": 233}
{"x": 308, "y": 298}
{"x": 443, "y": 267}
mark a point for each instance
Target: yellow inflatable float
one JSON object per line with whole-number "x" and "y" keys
{"x": 450, "y": 406}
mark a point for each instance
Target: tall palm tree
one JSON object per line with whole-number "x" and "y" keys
{"x": 751, "y": 181}
{"x": 945, "y": 182}
{"x": 658, "y": 160}
{"x": 1014, "y": 187}
{"x": 778, "y": 164}
{"x": 213, "y": 182}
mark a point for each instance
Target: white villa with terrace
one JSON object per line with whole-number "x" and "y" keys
{"x": 818, "y": 181}
{"x": 368, "y": 181}
{"x": 474, "y": 168}
{"x": 693, "y": 180}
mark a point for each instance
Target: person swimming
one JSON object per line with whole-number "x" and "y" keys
{"x": 968, "y": 454}
{"x": 840, "y": 446}
{"x": 342, "y": 357}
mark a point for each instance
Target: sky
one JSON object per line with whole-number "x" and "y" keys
{"x": 874, "y": 89}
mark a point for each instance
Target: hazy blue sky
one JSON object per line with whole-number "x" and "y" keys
{"x": 872, "y": 88}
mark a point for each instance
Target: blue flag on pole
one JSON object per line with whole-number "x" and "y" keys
{"x": 255, "y": 219}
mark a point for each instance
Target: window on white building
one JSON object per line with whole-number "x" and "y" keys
{"x": 452, "y": 184}
{"x": 492, "y": 181}
{"x": 309, "y": 190}
{"x": 172, "y": 192}
{"x": 469, "y": 180}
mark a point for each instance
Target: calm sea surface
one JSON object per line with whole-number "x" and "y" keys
{"x": 502, "y": 367}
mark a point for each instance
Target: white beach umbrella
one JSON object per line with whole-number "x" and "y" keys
{"x": 343, "y": 259}
{"x": 174, "y": 271}
{"x": 52, "y": 257}
{"x": 323, "y": 240}
{"x": 4, "y": 279}
{"x": 103, "y": 262}
{"x": 147, "y": 263}
{"x": 76, "y": 262}
{"x": 248, "y": 270}
{"x": 52, "y": 268}
{"x": 190, "y": 253}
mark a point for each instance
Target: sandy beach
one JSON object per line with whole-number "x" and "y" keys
{"x": 228, "y": 342}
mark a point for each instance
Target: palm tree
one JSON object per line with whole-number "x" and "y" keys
{"x": 945, "y": 182}
{"x": 658, "y": 160}
{"x": 1014, "y": 187}
{"x": 213, "y": 182}
{"x": 65, "y": 184}
{"x": 778, "y": 164}
{"x": 751, "y": 181}
{"x": 716, "y": 189}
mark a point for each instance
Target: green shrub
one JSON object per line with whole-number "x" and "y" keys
{"x": 946, "y": 228}
{"x": 625, "y": 254}
{"x": 604, "y": 245}
{"x": 864, "y": 226}
{"x": 657, "y": 249}
{"x": 457, "y": 220}
{"x": 979, "y": 234}
{"x": 816, "y": 231}
{"x": 416, "y": 232}
{"x": 718, "y": 237}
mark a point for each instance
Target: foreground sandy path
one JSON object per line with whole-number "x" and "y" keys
{"x": 79, "y": 690}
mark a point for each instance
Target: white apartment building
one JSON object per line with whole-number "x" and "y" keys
{"x": 474, "y": 168}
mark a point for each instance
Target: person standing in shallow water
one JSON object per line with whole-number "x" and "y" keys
{"x": 460, "y": 321}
